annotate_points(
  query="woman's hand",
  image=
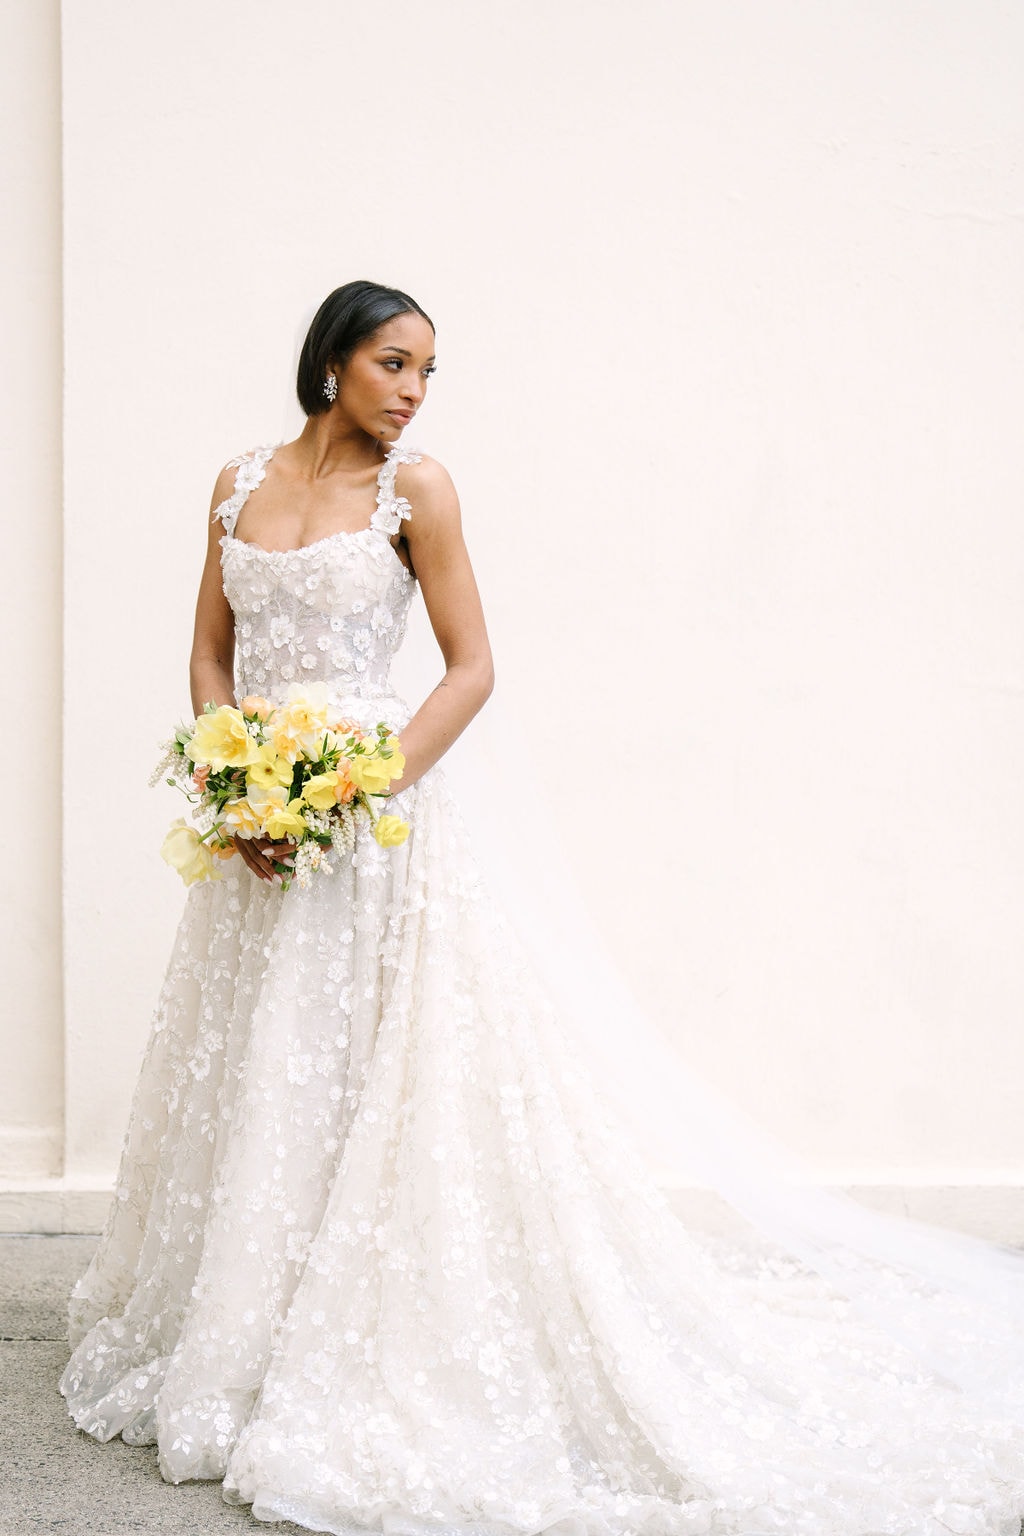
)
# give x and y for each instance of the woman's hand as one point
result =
(261, 854)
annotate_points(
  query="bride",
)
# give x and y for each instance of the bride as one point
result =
(383, 1254)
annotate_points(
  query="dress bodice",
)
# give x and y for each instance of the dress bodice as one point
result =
(333, 611)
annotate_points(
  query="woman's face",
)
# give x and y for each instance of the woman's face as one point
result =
(383, 384)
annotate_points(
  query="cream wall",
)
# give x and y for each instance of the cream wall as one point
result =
(730, 334)
(31, 1035)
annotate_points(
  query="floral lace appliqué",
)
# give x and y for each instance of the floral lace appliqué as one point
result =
(379, 1257)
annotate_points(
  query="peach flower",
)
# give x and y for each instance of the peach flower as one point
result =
(344, 790)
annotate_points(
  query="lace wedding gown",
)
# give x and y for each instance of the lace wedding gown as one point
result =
(381, 1258)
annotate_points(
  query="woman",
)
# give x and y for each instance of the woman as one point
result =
(322, 485)
(380, 1257)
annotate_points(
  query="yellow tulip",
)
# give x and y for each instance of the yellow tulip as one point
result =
(222, 740)
(391, 831)
(269, 768)
(183, 851)
(320, 791)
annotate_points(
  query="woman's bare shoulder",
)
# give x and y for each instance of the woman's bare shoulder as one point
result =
(426, 483)
(224, 485)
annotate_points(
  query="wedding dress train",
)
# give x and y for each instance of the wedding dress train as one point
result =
(382, 1257)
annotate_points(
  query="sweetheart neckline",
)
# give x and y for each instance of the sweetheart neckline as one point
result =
(301, 549)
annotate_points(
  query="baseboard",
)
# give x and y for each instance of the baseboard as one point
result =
(994, 1211)
(30, 1152)
(53, 1206)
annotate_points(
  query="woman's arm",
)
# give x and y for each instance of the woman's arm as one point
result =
(441, 562)
(212, 664)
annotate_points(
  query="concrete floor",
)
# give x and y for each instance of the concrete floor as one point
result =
(52, 1477)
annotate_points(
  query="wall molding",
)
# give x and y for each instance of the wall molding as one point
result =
(30, 1152)
(51, 1206)
(994, 1211)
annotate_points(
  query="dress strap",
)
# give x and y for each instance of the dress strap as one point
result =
(252, 466)
(391, 509)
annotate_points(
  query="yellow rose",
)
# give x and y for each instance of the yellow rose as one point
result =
(279, 817)
(371, 774)
(320, 791)
(391, 831)
(269, 768)
(183, 851)
(222, 740)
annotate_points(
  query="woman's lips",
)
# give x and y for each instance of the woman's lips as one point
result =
(403, 417)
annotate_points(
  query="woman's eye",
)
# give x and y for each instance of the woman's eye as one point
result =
(396, 363)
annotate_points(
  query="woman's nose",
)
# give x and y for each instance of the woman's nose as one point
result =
(412, 388)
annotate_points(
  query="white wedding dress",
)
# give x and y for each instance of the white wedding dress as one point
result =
(382, 1258)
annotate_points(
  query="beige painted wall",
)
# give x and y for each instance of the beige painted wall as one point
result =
(31, 1034)
(730, 334)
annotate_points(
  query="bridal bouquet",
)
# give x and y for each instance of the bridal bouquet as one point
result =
(298, 775)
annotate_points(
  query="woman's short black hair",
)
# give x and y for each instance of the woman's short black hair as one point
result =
(345, 318)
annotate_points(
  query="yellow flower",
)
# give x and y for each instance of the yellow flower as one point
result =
(184, 852)
(373, 774)
(396, 761)
(300, 724)
(279, 817)
(269, 768)
(222, 740)
(288, 822)
(390, 831)
(397, 758)
(242, 818)
(255, 704)
(320, 791)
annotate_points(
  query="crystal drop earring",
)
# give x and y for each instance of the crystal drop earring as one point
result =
(330, 389)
